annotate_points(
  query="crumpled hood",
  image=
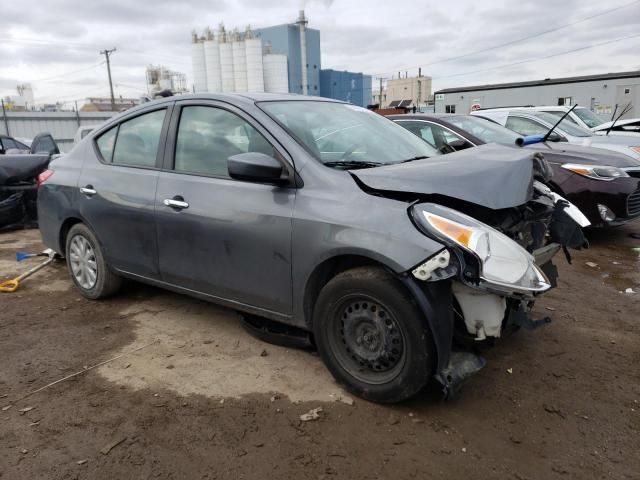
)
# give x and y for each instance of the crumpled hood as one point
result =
(493, 176)
(563, 152)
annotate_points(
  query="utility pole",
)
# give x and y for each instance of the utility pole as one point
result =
(380, 92)
(107, 54)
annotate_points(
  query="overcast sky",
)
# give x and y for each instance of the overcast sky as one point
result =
(55, 44)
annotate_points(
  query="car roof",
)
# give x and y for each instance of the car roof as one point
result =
(234, 98)
(559, 108)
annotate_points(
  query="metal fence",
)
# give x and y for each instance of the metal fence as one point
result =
(62, 125)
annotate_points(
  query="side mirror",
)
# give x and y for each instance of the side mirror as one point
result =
(555, 137)
(255, 167)
(460, 144)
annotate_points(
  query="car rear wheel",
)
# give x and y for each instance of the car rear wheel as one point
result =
(87, 266)
(372, 337)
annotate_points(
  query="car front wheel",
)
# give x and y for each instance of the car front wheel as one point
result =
(372, 337)
(87, 266)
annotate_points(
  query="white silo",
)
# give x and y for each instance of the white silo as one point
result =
(276, 74)
(239, 64)
(198, 64)
(212, 59)
(255, 73)
(226, 62)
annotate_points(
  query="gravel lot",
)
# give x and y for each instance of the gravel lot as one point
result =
(203, 399)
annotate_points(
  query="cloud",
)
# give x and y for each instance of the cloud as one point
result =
(380, 37)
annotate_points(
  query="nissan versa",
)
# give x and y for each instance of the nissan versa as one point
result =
(319, 215)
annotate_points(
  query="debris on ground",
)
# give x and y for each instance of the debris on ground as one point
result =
(509, 371)
(629, 290)
(551, 309)
(105, 450)
(554, 410)
(5, 408)
(591, 264)
(25, 410)
(81, 462)
(313, 414)
(264, 353)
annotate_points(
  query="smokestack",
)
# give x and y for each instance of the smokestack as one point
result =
(302, 22)
(419, 71)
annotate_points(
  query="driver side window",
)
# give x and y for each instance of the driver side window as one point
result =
(208, 136)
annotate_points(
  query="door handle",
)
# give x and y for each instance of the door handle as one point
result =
(175, 203)
(88, 190)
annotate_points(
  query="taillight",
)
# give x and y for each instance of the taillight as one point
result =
(44, 176)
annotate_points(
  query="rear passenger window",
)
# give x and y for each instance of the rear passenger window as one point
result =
(106, 142)
(208, 136)
(138, 139)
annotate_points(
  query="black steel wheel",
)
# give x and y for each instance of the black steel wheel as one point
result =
(371, 335)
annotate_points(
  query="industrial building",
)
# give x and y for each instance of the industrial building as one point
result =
(280, 59)
(408, 91)
(161, 78)
(349, 87)
(600, 93)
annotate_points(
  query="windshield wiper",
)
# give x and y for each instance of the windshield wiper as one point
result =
(349, 164)
(548, 134)
(419, 157)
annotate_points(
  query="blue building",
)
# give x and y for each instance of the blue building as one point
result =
(285, 39)
(346, 86)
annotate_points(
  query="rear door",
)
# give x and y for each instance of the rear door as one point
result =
(227, 238)
(117, 190)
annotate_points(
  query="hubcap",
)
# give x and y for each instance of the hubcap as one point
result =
(369, 344)
(82, 260)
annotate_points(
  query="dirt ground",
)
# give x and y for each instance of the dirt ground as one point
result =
(194, 396)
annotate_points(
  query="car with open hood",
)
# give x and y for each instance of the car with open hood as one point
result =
(318, 215)
(603, 184)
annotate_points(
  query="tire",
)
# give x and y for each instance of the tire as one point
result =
(372, 337)
(103, 282)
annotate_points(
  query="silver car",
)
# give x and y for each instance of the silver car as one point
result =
(532, 122)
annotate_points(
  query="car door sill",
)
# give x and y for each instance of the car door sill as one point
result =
(232, 304)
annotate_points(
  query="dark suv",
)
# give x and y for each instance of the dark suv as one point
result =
(316, 214)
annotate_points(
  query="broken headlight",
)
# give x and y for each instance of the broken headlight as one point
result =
(597, 172)
(503, 264)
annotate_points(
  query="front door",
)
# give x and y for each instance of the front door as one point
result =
(227, 238)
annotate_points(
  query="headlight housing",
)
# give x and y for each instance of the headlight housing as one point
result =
(596, 172)
(503, 264)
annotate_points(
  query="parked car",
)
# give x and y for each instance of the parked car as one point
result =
(316, 214)
(585, 118)
(18, 182)
(603, 184)
(11, 145)
(528, 122)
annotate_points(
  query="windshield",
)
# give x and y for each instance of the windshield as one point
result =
(485, 130)
(587, 116)
(566, 126)
(342, 135)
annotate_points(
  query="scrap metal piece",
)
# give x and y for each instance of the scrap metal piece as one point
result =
(461, 366)
(439, 260)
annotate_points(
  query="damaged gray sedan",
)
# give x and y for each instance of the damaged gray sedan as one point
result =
(320, 216)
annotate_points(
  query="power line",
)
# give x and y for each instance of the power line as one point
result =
(518, 40)
(539, 58)
(66, 74)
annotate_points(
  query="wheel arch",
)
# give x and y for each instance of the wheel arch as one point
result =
(328, 269)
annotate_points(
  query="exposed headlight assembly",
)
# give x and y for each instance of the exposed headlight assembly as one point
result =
(596, 172)
(504, 265)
